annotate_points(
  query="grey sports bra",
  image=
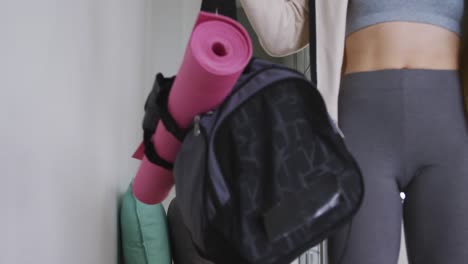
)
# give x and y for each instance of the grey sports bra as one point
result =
(444, 13)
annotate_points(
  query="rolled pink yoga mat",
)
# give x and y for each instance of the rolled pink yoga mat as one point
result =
(217, 53)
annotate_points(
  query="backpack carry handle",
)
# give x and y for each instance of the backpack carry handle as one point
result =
(223, 7)
(312, 42)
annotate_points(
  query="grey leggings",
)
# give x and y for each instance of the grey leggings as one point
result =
(408, 132)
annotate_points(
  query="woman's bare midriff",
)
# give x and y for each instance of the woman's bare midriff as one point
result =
(400, 45)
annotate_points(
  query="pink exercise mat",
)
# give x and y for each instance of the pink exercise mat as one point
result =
(217, 53)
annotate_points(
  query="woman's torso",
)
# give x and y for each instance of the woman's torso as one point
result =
(399, 44)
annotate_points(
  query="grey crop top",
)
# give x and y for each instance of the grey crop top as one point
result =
(444, 13)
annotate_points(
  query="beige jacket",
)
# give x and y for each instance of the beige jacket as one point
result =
(282, 29)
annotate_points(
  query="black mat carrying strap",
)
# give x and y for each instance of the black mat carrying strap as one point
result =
(155, 110)
(156, 103)
(223, 7)
(313, 41)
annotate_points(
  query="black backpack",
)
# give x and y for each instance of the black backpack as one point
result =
(266, 175)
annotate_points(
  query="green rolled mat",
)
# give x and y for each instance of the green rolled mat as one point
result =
(144, 232)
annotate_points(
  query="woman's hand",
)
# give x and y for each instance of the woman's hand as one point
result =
(281, 25)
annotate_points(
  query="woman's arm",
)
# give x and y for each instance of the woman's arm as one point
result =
(282, 26)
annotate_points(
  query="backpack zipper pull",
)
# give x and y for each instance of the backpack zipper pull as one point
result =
(196, 125)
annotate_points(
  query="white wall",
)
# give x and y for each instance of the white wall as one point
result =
(73, 78)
